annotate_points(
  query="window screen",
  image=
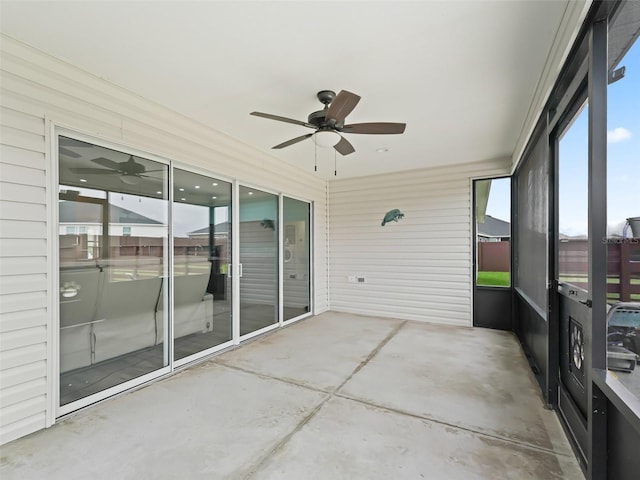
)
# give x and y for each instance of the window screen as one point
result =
(531, 275)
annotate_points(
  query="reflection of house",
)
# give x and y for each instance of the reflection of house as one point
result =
(197, 241)
(78, 218)
(220, 230)
(130, 233)
(493, 230)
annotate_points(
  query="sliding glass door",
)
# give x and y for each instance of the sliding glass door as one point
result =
(296, 282)
(145, 267)
(258, 235)
(201, 255)
(113, 238)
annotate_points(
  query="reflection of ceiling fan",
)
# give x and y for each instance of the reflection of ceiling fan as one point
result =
(328, 123)
(130, 171)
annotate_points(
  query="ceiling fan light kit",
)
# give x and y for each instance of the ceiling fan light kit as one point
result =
(328, 123)
(326, 138)
(130, 179)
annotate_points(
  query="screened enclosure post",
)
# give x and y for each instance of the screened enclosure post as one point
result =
(598, 80)
(552, 267)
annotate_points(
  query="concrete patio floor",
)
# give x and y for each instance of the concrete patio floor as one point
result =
(336, 396)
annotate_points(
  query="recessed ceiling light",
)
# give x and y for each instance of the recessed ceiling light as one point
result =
(181, 189)
(83, 180)
(250, 193)
(183, 199)
(382, 150)
(197, 186)
(159, 193)
(214, 197)
(214, 184)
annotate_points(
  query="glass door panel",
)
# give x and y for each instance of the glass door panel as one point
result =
(492, 297)
(113, 237)
(202, 252)
(573, 272)
(297, 248)
(623, 199)
(493, 232)
(573, 214)
(258, 259)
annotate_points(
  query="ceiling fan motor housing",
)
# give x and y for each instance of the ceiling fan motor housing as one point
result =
(317, 118)
(326, 96)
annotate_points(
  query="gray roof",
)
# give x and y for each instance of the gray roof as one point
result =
(79, 212)
(222, 227)
(494, 227)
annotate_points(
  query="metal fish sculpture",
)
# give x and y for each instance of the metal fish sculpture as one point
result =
(392, 216)
(267, 223)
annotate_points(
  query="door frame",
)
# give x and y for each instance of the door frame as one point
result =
(590, 82)
(493, 296)
(237, 269)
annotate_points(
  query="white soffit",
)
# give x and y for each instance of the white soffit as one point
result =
(461, 74)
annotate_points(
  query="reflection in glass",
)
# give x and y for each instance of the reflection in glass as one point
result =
(296, 282)
(623, 199)
(573, 240)
(113, 263)
(202, 252)
(258, 259)
(493, 230)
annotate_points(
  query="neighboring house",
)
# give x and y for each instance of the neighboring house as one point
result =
(77, 218)
(221, 230)
(493, 230)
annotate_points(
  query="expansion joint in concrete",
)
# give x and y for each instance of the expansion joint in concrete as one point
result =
(318, 407)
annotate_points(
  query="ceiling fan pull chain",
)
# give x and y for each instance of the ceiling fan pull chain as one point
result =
(335, 164)
(315, 168)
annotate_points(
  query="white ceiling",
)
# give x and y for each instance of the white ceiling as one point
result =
(461, 74)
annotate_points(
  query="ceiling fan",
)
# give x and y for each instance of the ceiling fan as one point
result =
(328, 123)
(130, 171)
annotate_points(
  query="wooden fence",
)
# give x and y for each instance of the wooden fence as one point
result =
(494, 256)
(623, 266)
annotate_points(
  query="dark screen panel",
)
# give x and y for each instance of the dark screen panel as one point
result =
(531, 275)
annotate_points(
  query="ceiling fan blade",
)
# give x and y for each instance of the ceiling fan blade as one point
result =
(343, 147)
(91, 171)
(293, 141)
(282, 119)
(71, 142)
(342, 105)
(69, 153)
(105, 162)
(375, 128)
(142, 175)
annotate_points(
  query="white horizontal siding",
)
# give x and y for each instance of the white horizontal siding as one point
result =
(418, 268)
(24, 158)
(23, 273)
(23, 392)
(37, 90)
(22, 319)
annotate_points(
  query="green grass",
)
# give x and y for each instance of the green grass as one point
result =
(493, 279)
